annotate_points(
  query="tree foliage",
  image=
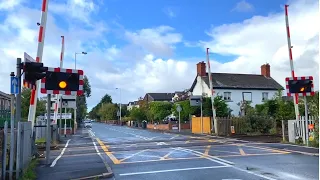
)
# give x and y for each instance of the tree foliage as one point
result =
(94, 113)
(160, 110)
(137, 114)
(108, 111)
(82, 100)
(25, 103)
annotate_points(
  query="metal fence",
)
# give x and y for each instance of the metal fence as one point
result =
(297, 128)
(25, 146)
(24, 149)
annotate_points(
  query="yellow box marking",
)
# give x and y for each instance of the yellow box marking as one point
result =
(109, 154)
(241, 150)
(206, 152)
(167, 155)
(268, 149)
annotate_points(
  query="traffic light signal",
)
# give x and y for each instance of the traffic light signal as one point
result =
(62, 81)
(33, 71)
(300, 86)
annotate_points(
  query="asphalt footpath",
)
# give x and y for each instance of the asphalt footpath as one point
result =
(77, 158)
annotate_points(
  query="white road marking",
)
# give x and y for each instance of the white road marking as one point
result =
(91, 133)
(57, 158)
(172, 170)
(212, 157)
(95, 146)
(174, 136)
(136, 135)
(161, 143)
(206, 157)
(215, 159)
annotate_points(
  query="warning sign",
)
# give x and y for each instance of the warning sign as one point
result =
(232, 130)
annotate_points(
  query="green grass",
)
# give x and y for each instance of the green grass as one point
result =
(29, 173)
(41, 140)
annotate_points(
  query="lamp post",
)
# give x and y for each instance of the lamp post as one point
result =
(75, 67)
(120, 105)
(75, 58)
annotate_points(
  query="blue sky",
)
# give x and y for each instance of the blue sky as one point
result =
(146, 46)
(190, 18)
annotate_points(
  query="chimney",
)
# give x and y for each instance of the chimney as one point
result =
(201, 69)
(265, 70)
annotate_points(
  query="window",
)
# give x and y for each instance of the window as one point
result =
(227, 96)
(247, 96)
(264, 96)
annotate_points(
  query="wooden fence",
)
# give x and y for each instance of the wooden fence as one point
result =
(228, 126)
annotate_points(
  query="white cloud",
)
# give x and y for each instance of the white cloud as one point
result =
(75, 9)
(9, 4)
(169, 11)
(243, 6)
(263, 39)
(160, 40)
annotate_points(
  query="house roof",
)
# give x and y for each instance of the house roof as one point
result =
(240, 81)
(5, 95)
(161, 96)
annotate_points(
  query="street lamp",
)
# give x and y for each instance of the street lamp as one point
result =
(120, 105)
(75, 67)
(75, 58)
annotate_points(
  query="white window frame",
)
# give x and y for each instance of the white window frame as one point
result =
(243, 94)
(265, 96)
(227, 96)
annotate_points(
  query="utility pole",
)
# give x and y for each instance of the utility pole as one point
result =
(48, 133)
(18, 98)
(214, 128)
(12, 141)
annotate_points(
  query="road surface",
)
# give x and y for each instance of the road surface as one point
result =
(137, 154)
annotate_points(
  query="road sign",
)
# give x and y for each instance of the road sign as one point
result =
(28, 58)
(63, 116)
(179, 109)
(195, 100)
(14, 83)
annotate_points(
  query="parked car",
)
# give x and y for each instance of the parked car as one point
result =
(87, 124)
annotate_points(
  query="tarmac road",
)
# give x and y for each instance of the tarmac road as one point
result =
(138, 154)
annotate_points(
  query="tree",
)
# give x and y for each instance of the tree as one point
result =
(108, 112)
(82, 100)
(41, 107)
(25, 103)
(186, 112)
(93, 114)
(160, 110)
(137, 114)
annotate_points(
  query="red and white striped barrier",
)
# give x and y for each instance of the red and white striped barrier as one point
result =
(42, 30)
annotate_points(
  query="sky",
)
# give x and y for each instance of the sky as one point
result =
(145, 46)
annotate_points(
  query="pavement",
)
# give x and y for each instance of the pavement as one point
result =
(138, 154)
(77, 158)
